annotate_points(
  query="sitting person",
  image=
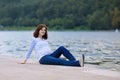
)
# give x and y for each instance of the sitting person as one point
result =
(45, 55)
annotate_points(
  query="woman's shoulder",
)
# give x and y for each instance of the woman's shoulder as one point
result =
(34, 39)
(38, 39)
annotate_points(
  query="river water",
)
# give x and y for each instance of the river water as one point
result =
(101, 48)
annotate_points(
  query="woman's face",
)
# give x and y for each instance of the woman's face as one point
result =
(42, 31)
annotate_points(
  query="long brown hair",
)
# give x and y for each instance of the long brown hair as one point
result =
(38, 28)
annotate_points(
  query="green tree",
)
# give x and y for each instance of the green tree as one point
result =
(116, 18)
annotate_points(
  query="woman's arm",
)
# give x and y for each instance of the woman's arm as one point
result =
(29, 51)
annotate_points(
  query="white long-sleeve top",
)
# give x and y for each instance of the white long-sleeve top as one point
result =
(41, 48)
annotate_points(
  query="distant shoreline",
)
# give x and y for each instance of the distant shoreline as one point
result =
(23, 28)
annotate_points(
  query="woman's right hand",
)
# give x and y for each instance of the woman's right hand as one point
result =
(24, 62)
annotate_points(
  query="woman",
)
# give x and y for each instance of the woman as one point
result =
(45, 55)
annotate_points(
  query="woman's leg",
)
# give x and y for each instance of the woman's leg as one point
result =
(57, 61)
(62, 50)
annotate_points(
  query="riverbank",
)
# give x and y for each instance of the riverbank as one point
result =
(10, 69)
(101, 49)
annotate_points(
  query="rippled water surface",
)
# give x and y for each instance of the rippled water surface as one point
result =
(100, 48)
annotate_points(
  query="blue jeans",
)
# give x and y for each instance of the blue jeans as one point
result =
(54, 58)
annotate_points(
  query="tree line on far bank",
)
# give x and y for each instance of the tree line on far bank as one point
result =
(61, 14)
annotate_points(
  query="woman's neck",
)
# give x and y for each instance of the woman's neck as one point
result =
(40, 37)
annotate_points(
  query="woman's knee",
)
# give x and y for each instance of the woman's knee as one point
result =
(61, 47)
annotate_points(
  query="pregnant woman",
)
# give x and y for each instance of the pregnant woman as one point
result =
(45, 55)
